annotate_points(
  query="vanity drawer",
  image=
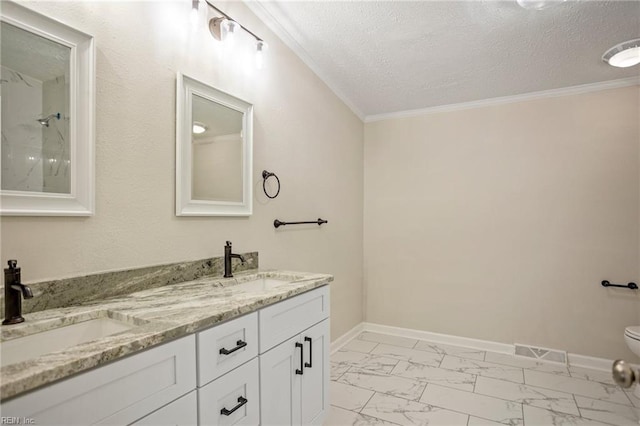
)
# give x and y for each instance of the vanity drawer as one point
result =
(118, 393)
(226, 346)
(236, 393)
(285, 319)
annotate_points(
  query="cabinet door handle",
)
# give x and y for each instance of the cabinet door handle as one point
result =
(309, 364)
(240, 344)
(241, 402)
(301, 369)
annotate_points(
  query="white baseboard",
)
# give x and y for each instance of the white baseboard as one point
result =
(574, 360)
(447, 339)
(585, 361)
(346, 337)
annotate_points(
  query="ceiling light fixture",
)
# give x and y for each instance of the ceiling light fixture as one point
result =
(199, 128)
(538, 4)
(623, 55)
(224, 28)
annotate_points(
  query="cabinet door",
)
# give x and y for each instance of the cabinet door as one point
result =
(280, 385)
(315, 379)
(181, 412)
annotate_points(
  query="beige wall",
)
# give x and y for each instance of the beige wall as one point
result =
(499, 223)
(217, 169)
(303, 132)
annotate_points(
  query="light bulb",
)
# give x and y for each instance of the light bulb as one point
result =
(194, 14)
(229, 30)
(261, 47)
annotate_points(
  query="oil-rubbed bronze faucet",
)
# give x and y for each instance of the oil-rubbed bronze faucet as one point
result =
(14, 290)
(227, 260)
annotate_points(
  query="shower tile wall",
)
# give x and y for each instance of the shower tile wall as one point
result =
(21, 133)
(55, 138)
(34, 157)
(385, 380)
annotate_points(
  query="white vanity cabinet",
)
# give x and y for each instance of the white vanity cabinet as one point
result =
(119, 393)
(293, 336)
(269, 367)
(294, 375)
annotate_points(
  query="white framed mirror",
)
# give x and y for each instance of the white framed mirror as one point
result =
(214, 150)
(47, 76)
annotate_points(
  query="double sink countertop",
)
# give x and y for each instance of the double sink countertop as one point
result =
(154, 316)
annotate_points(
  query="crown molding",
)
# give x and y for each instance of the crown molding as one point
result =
(258, 8)
(564, 91)
(272, 23)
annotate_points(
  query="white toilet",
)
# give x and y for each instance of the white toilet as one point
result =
(632, 337)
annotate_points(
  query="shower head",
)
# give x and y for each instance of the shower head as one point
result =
(45, 121)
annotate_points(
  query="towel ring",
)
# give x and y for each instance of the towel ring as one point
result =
(266, 175)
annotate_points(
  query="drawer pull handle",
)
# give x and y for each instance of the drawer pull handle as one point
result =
(301, 370)
(240, 344)
(241, 402)
(309, 364)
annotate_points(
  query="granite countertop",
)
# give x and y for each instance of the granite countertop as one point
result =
(157, 315)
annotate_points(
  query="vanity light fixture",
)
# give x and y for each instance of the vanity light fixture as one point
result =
(623, 55)
(261, 47)
(224, 28)
(199, 128)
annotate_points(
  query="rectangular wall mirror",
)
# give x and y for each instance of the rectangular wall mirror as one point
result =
(47, 82)
(213, 151)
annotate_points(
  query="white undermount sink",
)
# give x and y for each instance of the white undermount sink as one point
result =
(56, 339)
(260, 284)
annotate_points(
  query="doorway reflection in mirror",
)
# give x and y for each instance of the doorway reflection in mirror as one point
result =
(216, 152)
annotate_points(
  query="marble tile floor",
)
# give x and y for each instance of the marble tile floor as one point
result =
(379, 379)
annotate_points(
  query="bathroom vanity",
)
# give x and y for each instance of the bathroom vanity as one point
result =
(248, 350)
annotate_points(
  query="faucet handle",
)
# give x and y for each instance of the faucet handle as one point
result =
(12, 264)
(228, 243)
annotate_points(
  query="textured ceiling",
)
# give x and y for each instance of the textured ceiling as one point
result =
(389, 56)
